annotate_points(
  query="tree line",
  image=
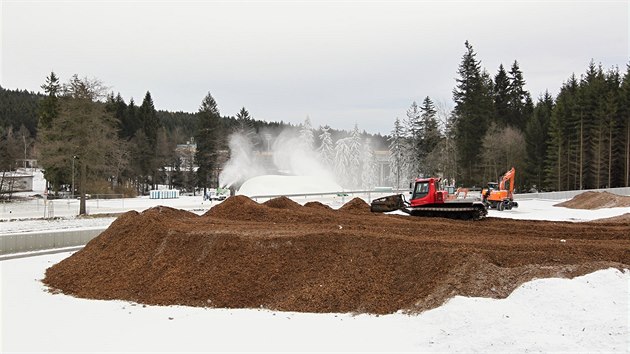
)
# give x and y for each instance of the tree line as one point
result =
(578, 140)
(89, 140)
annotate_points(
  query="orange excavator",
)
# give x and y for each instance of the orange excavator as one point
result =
(500, 195)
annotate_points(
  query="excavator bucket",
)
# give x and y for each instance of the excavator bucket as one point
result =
(386, 204)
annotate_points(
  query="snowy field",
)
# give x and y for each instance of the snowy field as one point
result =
(586, 314)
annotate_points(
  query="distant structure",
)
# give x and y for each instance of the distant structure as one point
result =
(11, 182)
(382, 167)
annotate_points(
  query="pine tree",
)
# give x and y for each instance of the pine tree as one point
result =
(132, 121)
(245, 124)
(501, 95)
(326, 150)
(413, 133)
(473, 107)
(49, 106)
(623, 139)
(397, 153)
(117, 106)
(368, 172)
(208, 133)
(355, 149)
(343, 162)
(613, 121)
(561, 157)
(431, 136)
(148, 118)
(590, 92)
(519, 101)
(149, 124)
(49, 109)
(306, 135)
(536, 137)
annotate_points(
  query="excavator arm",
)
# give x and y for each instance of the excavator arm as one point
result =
(507, 182)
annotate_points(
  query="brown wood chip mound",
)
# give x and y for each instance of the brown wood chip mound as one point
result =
(623, 219)
(356, 205)
(596, 200)
(318, 205)
(282, 203)
(317, 260)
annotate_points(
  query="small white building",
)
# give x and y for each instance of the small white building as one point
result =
(15, 182)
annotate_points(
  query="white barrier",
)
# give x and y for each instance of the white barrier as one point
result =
(35, 241)
(164, 194)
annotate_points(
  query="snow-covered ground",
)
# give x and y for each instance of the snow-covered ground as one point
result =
(278, 185)
(586, 314)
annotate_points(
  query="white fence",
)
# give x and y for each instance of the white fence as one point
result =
(625, 191)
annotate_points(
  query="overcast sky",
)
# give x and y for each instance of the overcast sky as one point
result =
(339, 63)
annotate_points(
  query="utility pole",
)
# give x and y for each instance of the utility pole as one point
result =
(73, 158)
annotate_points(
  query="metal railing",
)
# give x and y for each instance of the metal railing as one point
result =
(341, 194)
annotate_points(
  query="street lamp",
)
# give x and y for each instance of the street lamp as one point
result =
(73, 158)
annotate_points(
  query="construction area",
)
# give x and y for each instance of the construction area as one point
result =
(281, 255)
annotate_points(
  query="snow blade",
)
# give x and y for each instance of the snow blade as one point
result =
(386, 204)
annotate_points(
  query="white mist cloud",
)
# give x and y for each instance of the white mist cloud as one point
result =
(289, 156)
(242, 164)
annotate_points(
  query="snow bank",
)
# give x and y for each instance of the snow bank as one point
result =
(285, 185)
(585, 314)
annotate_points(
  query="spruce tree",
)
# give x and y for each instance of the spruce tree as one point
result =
(149, 124)
(368, 172)
(431, 135)
(473, 107)
(306, 135)
(413, 137)
(536, 138)
(610, 174)
(49, 106)
(343, 162)
(49, 109)
(397, 153)
(326, 150)
(117, 106)
(245, 124)
(561, 157)
(148, 118)
(355, 149)
(207, 136)
(623, 139)
(131, 122)
(501, 95)
(519, 100)
(588, 124)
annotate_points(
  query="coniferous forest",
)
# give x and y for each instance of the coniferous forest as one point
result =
(579, 139)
